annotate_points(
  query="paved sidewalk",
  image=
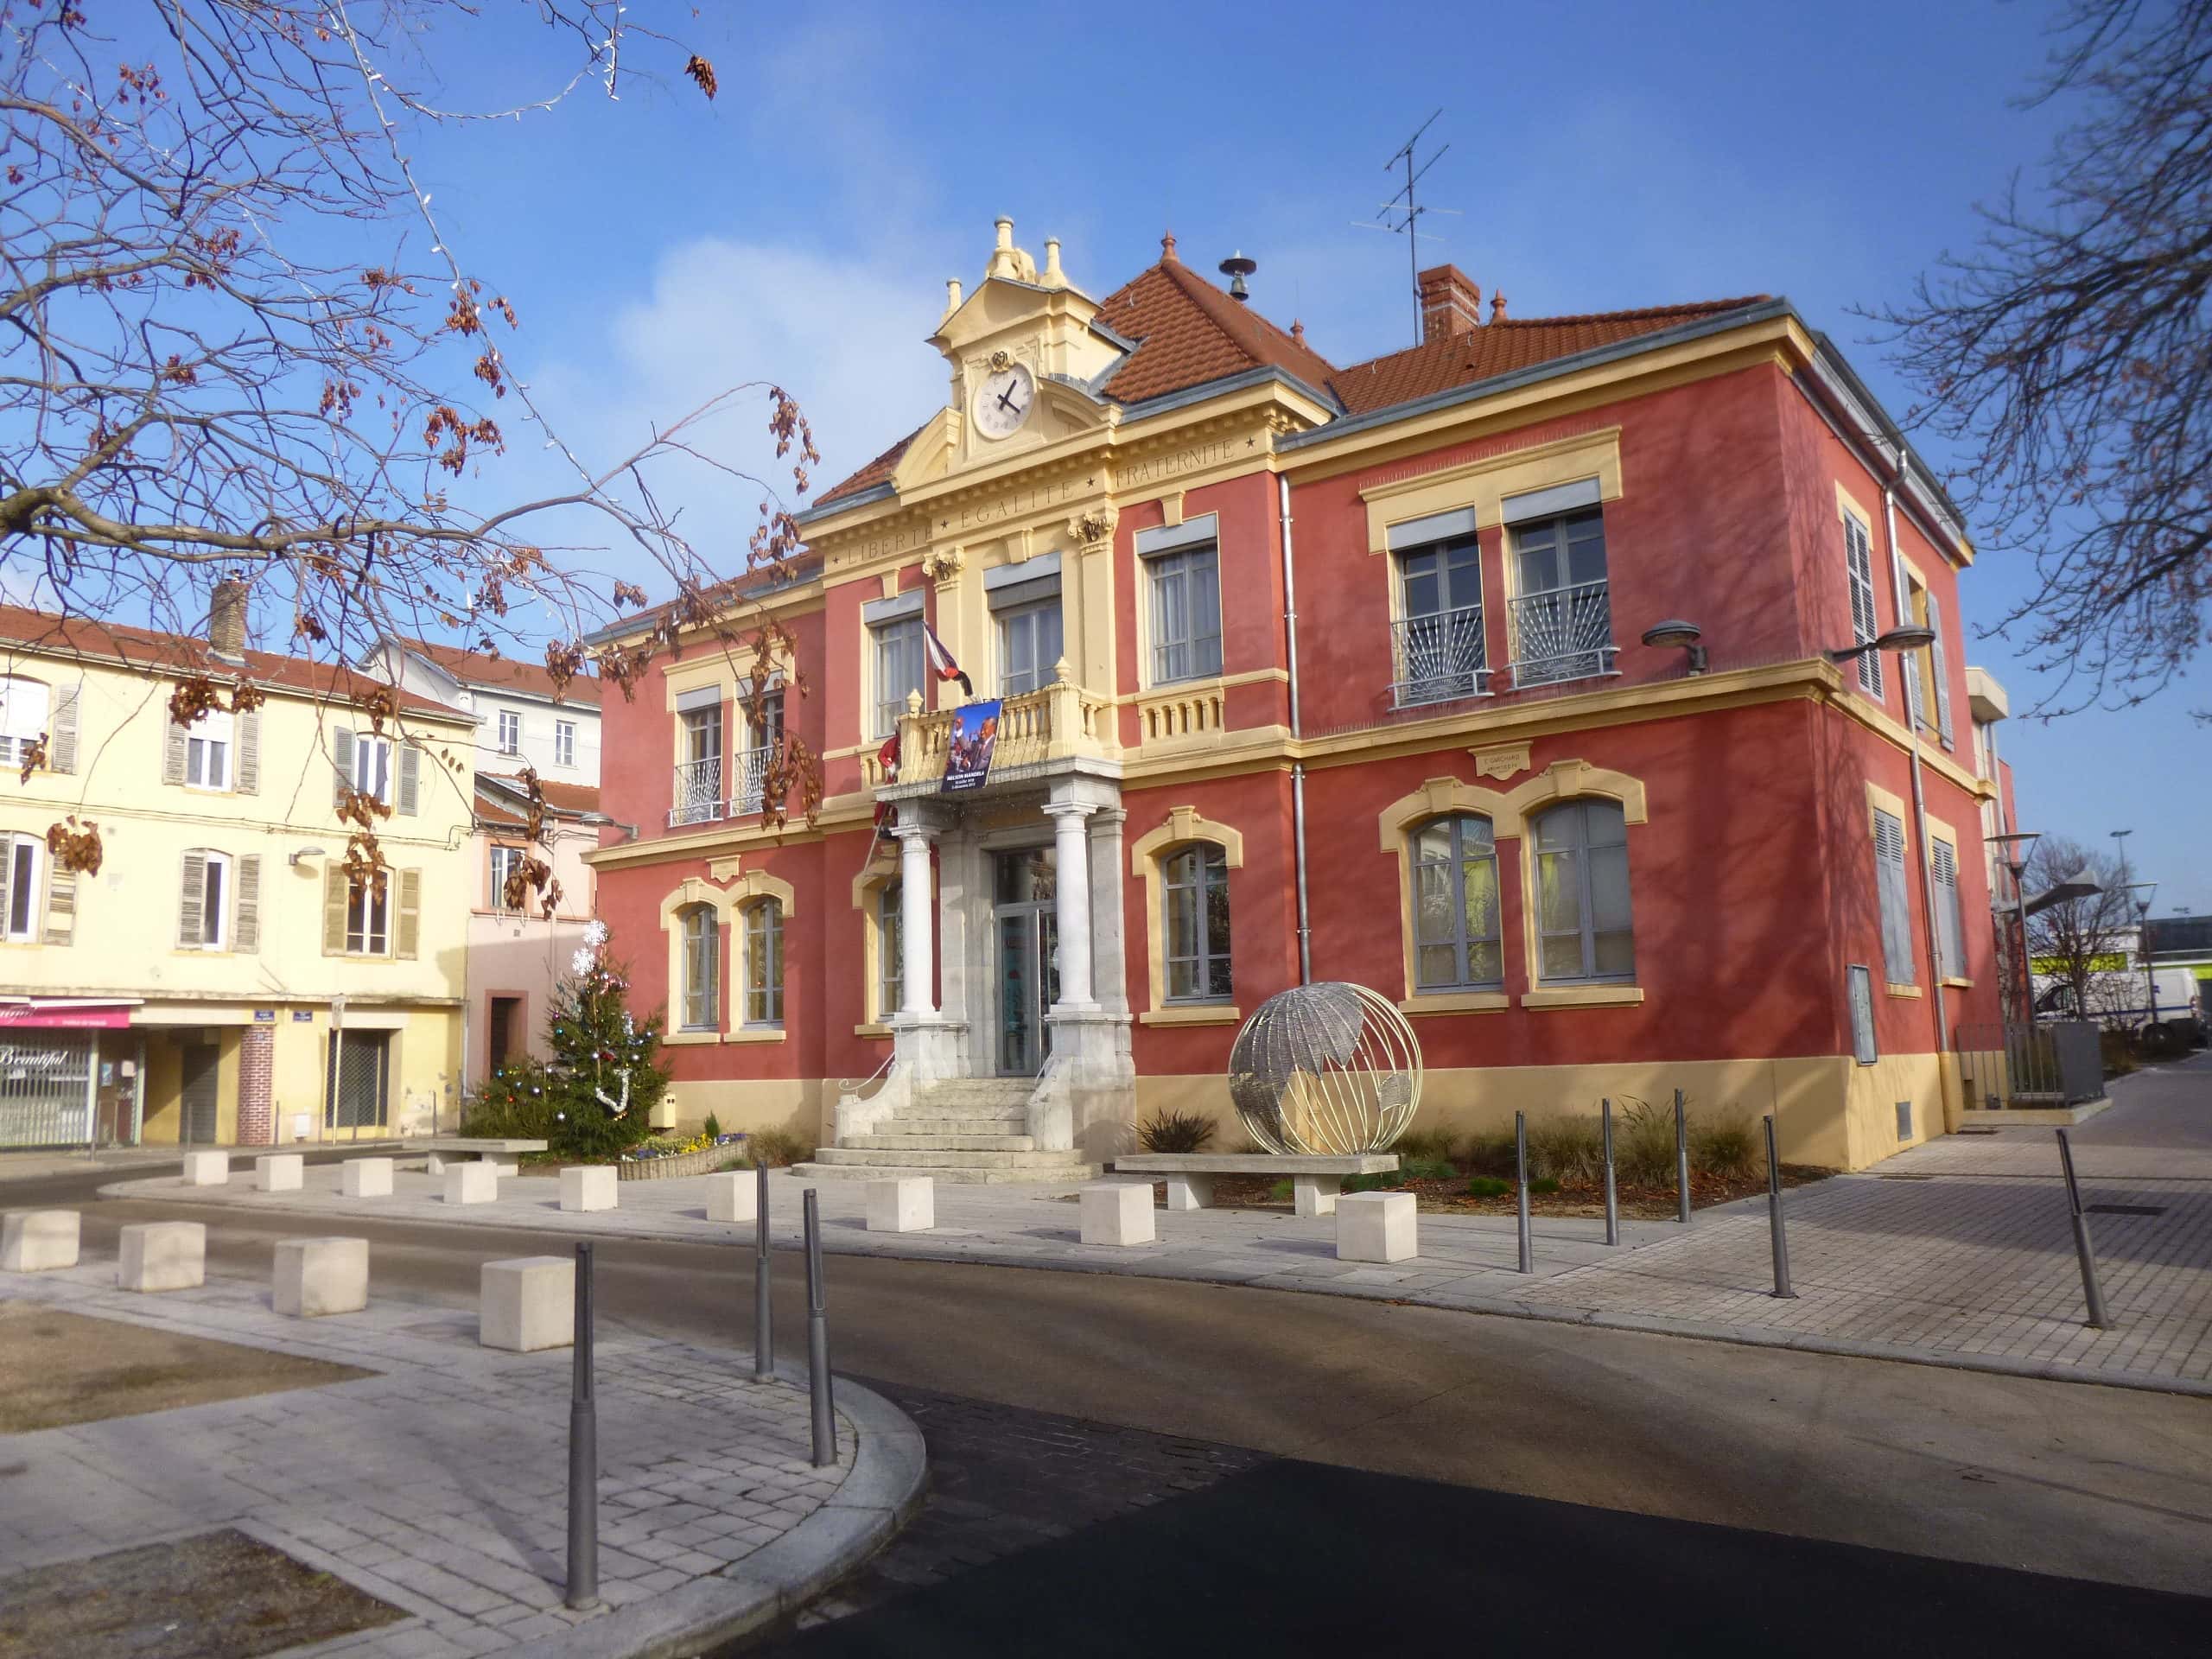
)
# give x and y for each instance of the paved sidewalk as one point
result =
(440, 1484)
(1968, 1260)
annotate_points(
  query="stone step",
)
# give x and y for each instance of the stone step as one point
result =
(897, 1139)
(957, 1123)
(1057, 1175)
(861, 1157)
(978, 1091)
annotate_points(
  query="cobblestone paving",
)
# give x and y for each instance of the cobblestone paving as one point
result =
(1968, 1260)
(439, 1485)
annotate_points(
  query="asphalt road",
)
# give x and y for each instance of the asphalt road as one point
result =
(2071, 1480)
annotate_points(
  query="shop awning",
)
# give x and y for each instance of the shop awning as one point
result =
(67, 1014)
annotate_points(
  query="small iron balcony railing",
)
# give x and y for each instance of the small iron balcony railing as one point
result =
(750, 770)
(1565, 634)
(1437, 657)
(698, 797)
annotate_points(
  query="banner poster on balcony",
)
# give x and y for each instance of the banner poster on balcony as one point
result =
(974, 736)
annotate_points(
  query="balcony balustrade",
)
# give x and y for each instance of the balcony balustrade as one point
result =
(1437, 657)
(1563, 633)
(698, 797)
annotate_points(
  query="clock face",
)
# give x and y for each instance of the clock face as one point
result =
(1003, 402)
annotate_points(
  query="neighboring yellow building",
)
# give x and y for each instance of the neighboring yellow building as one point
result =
(191, 989)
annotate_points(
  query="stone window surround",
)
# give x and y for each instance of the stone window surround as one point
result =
(1149, 855)
(728, 901)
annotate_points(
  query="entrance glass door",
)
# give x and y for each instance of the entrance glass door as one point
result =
(1028, 959)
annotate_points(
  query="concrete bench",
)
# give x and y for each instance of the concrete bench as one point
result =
(527, 1303)
(1315, 1180)
(465, 1148)
(163, 1255)
(38, 1241)
(315, 1276)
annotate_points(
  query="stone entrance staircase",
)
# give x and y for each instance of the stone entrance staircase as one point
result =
(965, 1129)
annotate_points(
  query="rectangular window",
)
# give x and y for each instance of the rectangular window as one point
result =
(1889, 889)
(215, 899)
(1585, 930)
(1562, 610)
(505, 861)
(1950, 923)
(503, 1035)
(22, 921)
(699, 767)
(1439, 651)
(1858, 562)
(23, 713)
(1029, 647)
(703, 969)
(1862, 1016)
(1186, 614)
(510, 732)
(372, 767)
(208, 751)
(891, 950)
(565, 742)
(897, 670)
(1455, 906)
(368, 910)
(1197, 925)
(764, 964)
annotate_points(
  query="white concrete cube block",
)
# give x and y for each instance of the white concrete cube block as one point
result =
(38, 1241)
(439, 1163)
(1190, 1191)
(163, 1255)
(734, 1195)
(502, 1168)
(527, 1303)
(588, 1186)
(905, 1204)
(1316, 1195)
(365, 1178)
(471, 1182)
(278, 1172)
(1376, 1227)
(207, 1168)
(1116, 1212)
(315, 1276)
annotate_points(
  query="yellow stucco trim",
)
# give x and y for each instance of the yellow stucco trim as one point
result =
(1484, 484)
(1881, 800)
(1848, 504)
(1583, 996)
(1182, 825)
(1570, 780)
(1903, 990)
(869, 1028)
(681, 1038)
(687, 893)
(1426, 1002)
(879, 874)
(756, 885)
(755, 1034)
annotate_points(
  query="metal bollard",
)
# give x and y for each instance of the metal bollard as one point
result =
(1612, 1200)
(1681, 1162)
(817, 1340)
(583, 1452)
(2092, 1291)
(1521, 1189)
(764, 1344)
(1774, 1218)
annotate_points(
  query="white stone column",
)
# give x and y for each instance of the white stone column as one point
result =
(917, 961)
(1072, 900)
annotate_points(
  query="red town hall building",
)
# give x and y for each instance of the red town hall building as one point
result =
(1497, 674)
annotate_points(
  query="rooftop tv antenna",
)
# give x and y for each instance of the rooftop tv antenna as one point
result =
(1402, 212)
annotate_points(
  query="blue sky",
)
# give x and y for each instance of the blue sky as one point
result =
(801, 227)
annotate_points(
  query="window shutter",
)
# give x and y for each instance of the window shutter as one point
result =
(246, 767)
(1950, 925)
(246, 930)
(333, 909)
(411, 777)
(173, 755)
(1937, 664)
(190, 922)
(61, 741)
(1865, 623)
(1897, 926)
(407, 935)
(341, 761)
(61, 906)
(7, 883)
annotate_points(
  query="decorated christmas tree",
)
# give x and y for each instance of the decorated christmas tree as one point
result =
(595, 1098)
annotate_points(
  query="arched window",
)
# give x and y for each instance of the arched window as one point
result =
(889, 950)
(702, 969)
(1197, 923)
(1584, 931)
(764, 963)
(1456, 943)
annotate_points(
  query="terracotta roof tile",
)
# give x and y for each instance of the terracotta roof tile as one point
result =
(874, 472)
(155, 654)
(1502, 347)
(505, 673)
(498, 804)
(1188, 332)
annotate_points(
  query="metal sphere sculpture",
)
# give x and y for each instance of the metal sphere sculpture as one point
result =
(1330, 1069)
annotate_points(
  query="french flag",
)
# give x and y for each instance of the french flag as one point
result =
(941, 661)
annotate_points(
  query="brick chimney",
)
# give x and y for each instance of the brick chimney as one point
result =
(226, 620)
(1450, 303)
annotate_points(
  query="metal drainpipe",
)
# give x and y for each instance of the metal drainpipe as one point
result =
(1296, 767)
(1919, 795)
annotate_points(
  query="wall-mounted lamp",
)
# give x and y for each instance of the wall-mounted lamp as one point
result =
(1909, 636)
(1675, 631)
(305, 852)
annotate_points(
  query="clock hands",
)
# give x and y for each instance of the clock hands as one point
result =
(1006, 398)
